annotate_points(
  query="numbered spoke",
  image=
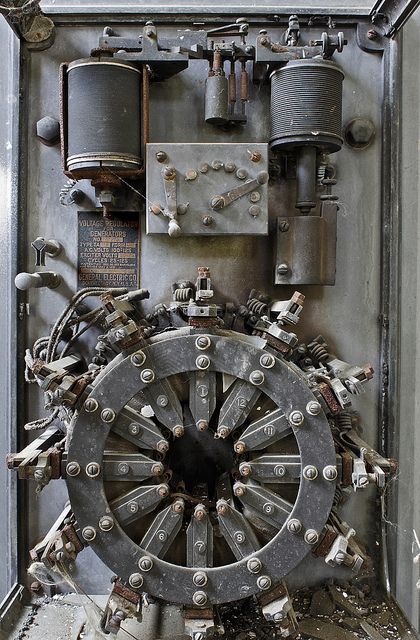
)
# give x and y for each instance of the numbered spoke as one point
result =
(130, 467)
(141, 431)
(237, 407)
(200, 539)
(264, 431)
(202, 397)
(166, 405)
(164, 529)
(272, 468)
(270, 507)
(136, 503)
(236, 530)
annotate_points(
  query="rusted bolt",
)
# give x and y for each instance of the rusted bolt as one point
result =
(218, 202)
(178, 431)
(223, 432)
(199, 598)
(222, 509)
(48, 130)
(162, 446)
(161, 156)
(239, 447)
(239, 490)
(178, 506)
(203, 343)
(311, 536)
(157, 469)
(245, 470)
(138, 358)
(264, 41)
(372, 34)
(202, 425)
(169, 172)
(163, 490)
(255, 156)
(199, 514)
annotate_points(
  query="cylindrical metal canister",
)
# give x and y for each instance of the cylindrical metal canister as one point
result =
(103, 113)
(306, 98)
(217, 100)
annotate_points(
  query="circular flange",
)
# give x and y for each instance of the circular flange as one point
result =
(231, 354)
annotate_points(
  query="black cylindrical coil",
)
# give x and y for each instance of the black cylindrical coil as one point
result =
(306, 97)
(103, 128)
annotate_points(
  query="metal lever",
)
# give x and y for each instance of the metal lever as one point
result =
(42, 247)
(224, 199)
(49, 279)
(170, 211)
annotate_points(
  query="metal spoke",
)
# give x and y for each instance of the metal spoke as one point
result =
(263, 432)
(163, 530)
(130, 466)
(136, 503)
(270, 507)
(202, 397)
(141, 431)
(200, 539)
(273, 468)
(166, 405)
(236, 530)
(236, 407)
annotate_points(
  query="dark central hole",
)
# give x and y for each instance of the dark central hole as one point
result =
(197, 458)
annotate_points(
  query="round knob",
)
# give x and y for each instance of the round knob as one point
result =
(25, 281)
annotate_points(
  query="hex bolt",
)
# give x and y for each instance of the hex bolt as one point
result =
(267, 361)
(254, 565)
(150, 33)
(222, 509)
(255, 196)
(340, 556)
(199, 598)
(222, 432)
(178, 431)
(284, 226)
(204, 168)
(178, 506)
(108, 415)
(145, 563)
(89, 533)
(147, 376)
(296, 418)
(134, 429)
(135, 580)
(239, 490)
(73, 468)
(257, 377)
(190, 175)
(169, 172)
(123, 468)
(92, 469)
(48, 130)
(161, 156)
(241, 174)
(157, 469)
(106, 523)
(245, 470)
(90, 405)
(199, 514)
(202, 425)
(202, 362)
(264, 583)
(132, 507)
(239, 447)
(182, 209)
(163, 490)
(162, 401)
(310, 472)
(294, 525)
(200, 579)
(203, 343)
(283, 269)
(254, 210)
(162, 446)
(138, 358)
(311, 536)
(330, 472)
(313, 408)
(359, 133)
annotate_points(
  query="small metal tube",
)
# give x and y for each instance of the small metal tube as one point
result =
(217, 100)
(306, 179)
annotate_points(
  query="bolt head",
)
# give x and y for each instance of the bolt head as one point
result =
(311, 536)
(200, 579)
(239, 489)
(202, 362)
(106, 523)
(147, 376)
(203, 343)
(282, 269)
(108, 415)
(222, 432)
(222, 508)
(89, 533)
(313, 408)
(157, 469)
(90, 405)
(241, 174)
(296, 418)
(283, 226)
(230, 167)
(92, 469)
(254, 210)
(245, 469)
(359, 133)
(267, 361)
(73, 469)
(199, 598)
(239, 447)
(48, 130)
(254, 565)
(257, 377)
(145, 563)
(330, 472)
(135, 580)
(310, 472)
(161, 156)
(264, 583)
(178, 431)
(162, 446)
(294, 525)
(202, 425)
(138, 358)
(163, 490)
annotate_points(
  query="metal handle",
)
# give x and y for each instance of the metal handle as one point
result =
(49, 279)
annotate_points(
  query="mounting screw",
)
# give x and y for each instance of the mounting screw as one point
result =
(222, 432)
(267, 361)
(123, 468)
(147, 376)
(245, 469)
(135, 580)
(282, 269)
(330, 472)
(256, 377)
(48, 130)
(200, 579)
(199, 598)
(108, 415)
(311, 536)
(161, 156)
(190, 175)
(106, 523)
(296, 418)
(163, 490)
(145, 563)
(138, 358)
(90, 405)
(239, 490)
(230, 167)
(310, 472)
(254, 565)
(241, 174)
(359, 133)
(203, 343)
(89, 534)
(255, 156)
(93, 469)
(202, 425)
(218, 202)
(294, 525)
(202, 362)
(73, 469)
(178, 431)
(283, 226)
(313, 408)
(239, 447)
(162, 446)
(254, 210)
(264, 583)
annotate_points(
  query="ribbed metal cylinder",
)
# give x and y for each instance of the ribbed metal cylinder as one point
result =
(306, 98)
(103, 117)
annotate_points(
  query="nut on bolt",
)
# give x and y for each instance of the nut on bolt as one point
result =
(48, 130)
